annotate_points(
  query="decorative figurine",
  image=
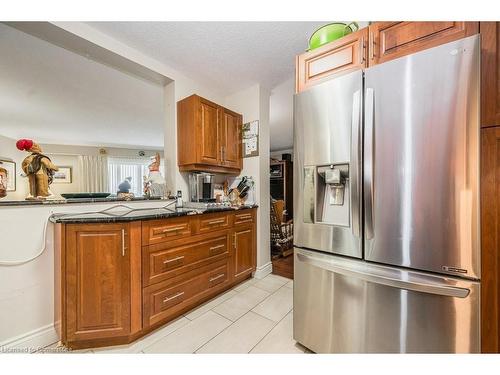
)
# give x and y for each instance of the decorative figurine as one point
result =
(154, 183)
(38, 168)
(124, 189)
(125, 186)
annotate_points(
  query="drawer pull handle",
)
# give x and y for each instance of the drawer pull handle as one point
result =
(217, 277)
(220, 221)
(173, 260)
(123, 242)
(244, 217)
(216, 247)
(173, 297)
(170, 230)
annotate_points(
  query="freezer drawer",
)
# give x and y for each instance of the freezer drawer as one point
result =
(349, 306)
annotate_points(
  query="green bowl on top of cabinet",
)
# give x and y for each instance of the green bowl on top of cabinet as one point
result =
(328, 33)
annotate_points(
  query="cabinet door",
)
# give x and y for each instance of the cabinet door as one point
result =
(209, 146)
(338, 57)
(98, 281)
(230, 139)
(390, 40)
(244, 250)
(490, 81)
(490, 240)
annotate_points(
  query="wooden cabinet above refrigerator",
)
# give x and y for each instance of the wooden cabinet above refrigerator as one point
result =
(378, 43)
(209, 137)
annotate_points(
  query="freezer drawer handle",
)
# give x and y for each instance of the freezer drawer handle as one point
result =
(441, 290)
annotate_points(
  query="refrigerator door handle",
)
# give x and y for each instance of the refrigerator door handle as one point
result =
(369, 162)
(355, 168)
(417, 286)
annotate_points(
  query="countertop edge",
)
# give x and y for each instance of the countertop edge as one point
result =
(73, 219)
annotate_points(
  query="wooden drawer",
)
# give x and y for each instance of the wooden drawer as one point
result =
(157, 231)
(390, 40)
(332, 59)
(160, 265)
(216, 221)
(244, 217)
(164, 301)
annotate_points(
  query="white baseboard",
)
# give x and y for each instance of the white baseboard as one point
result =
(31, 341)
(263, 271)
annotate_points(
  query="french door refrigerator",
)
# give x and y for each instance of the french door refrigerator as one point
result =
(386, 180)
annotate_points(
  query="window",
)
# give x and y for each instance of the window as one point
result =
(121, 168)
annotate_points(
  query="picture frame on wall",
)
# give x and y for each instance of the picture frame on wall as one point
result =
(10, 166)
(250, 139)
(63, 176)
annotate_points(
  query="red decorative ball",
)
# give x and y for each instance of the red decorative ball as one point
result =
(24, 144)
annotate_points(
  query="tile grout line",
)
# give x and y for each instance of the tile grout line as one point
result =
(213, 338)
(233, 322)
(269, 330)
(161, 338)
(283, 286)
(218, 333)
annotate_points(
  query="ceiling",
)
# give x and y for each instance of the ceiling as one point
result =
(225, 56)
(55, 96)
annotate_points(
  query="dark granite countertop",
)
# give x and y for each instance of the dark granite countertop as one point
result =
(76, 201)
(116, 215)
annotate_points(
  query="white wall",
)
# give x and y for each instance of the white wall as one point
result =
(253, 104)
(281, 115)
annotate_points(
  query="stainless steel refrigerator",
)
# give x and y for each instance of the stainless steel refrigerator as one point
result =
(386, 186)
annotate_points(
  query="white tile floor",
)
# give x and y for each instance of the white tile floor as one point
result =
(256, 316)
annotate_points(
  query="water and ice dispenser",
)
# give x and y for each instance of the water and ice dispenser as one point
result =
(327, 195)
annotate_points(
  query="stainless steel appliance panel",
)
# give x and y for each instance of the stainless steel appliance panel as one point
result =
(327, 131)
(421, 160)
(344, 305)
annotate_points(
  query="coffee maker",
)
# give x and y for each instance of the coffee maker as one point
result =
(201, 187)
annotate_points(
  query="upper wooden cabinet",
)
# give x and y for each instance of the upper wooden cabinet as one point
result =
(209, 137)
(230, 139)
(490, 85)
(332, 59)
(209, 128)
(390, 40)
(384, 41)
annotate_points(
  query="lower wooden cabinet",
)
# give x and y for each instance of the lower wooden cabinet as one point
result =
(244, 254)
(116, 282)
(96, 282)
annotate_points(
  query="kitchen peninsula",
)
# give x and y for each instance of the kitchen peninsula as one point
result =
(122, 273)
